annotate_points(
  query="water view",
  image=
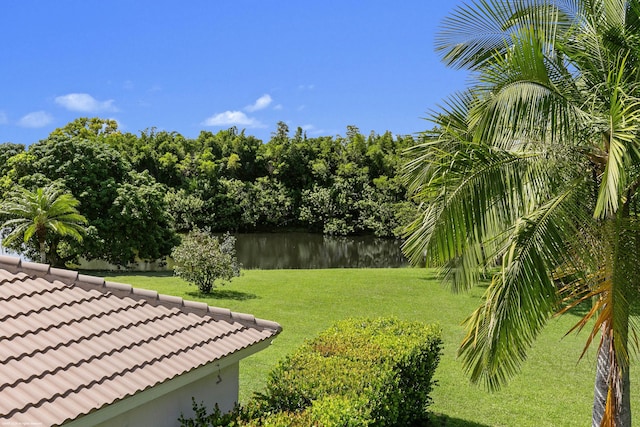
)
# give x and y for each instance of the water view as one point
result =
(306, 250)
(270, 251)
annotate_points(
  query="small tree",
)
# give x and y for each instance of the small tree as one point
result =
(41, 217)
(201, 259)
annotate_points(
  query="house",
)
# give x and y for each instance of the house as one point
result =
(81, 351)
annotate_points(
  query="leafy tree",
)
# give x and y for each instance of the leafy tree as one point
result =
(537, 168)
(202, 259)
(382, 208)
(141, 219)
(126, 213)
(7, 151)
(90, 169)
(227, 181)
(272, 203)
(186, 210)
(226, 205)
(318, 209)
(42, 216)
(87, 128)
(264, 203)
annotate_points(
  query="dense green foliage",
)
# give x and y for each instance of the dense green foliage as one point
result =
(381, 370)
(126, 210)
(138, 191)
(357, 373)
(203, 259)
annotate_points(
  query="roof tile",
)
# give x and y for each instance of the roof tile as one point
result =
(71, 343)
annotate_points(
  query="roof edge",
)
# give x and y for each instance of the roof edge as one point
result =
(71, 277)
(119, 407)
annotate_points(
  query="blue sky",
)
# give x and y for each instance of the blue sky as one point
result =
(208, 65)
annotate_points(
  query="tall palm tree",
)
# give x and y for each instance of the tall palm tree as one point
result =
(535, 171)
(40, 214)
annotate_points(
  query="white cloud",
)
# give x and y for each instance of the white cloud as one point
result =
(4, 119)
(312, 130)
(260, 104)
(85, 103)
(37, 119)
(231, 118)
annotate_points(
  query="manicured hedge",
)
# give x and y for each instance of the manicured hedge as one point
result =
(359, 372)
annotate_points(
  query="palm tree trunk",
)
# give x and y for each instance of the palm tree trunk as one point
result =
(625, 410)
(41, 235)
(605, 388)
(43, 254)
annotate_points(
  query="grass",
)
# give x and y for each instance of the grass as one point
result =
(553, 389)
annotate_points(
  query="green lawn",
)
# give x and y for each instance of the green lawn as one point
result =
(552, 390)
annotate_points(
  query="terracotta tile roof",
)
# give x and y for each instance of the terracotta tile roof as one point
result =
(71, 343)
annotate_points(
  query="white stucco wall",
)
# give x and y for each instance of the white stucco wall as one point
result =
(165, 410)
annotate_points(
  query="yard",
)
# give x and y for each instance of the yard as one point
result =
(552, 390)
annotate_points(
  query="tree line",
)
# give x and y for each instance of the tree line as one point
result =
(138, 192)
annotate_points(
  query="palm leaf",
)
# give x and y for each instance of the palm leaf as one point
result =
(474, 33)
(474, 194)
(523, 296)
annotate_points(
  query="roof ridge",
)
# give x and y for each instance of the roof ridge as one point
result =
(72, 277)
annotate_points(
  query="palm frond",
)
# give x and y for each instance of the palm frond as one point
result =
(471, 196)
(475, 32)
(523, 296)
(618, 138)
(524, 95)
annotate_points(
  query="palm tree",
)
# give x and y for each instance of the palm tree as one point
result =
(532, 176)
(40, 213)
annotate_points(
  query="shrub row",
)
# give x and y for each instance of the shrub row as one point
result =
(359, 372)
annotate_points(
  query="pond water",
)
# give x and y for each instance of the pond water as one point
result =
(306, 250)
(269, 251)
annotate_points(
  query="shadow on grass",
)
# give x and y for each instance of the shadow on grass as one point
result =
(440, 420)
(583, 308)
(224, 294)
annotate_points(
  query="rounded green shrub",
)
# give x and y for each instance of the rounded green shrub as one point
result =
(386, 364)
(357, 373)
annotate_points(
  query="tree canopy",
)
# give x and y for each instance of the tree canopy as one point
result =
(138, 191)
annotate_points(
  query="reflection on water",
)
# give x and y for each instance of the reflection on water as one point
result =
(270, 251)
(305, 250)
